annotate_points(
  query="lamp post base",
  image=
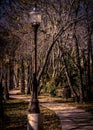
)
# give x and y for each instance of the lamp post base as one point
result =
(33, 115)
(33, 121)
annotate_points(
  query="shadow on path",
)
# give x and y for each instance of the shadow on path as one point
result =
(71, 117)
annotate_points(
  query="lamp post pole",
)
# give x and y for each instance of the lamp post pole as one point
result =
(35, 71)
(34, 111)
(35, 103)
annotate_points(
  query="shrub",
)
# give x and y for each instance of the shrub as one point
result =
(51, 87)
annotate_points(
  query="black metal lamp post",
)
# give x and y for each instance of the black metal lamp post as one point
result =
(33, 116)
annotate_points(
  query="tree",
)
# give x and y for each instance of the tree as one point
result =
(60, 28)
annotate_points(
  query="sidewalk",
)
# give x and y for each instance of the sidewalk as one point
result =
(71, 117)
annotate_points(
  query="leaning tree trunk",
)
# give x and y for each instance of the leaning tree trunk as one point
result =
(80, 83)
(79, 70)
(85, 72)
(68, 78)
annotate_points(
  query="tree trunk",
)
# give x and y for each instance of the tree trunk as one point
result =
(79, 70)
(29, 82)
(18, 77)
(22, 77)
(1, 108)
(6, 85)
(89, 46)
(68, 78)
(11, 74)
(88, 71)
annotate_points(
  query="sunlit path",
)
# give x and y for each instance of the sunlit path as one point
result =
(71, 117)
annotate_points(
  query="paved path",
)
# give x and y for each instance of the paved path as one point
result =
(71, 117)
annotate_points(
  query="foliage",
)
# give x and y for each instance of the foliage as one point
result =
(64, 42)
(51, 87)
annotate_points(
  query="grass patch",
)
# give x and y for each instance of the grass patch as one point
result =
(15, 116)
(50, 120)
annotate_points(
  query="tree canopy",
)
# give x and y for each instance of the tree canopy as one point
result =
(65, 48)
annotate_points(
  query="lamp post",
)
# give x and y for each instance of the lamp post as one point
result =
(33, 112)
